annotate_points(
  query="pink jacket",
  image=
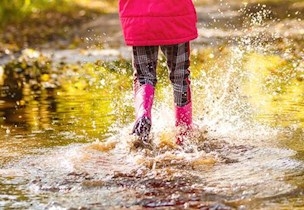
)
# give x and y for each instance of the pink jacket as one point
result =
(157, 22)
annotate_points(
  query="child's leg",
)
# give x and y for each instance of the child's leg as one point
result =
(178, 63)
(144, 63)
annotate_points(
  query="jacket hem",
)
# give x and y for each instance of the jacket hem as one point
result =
(159, 42)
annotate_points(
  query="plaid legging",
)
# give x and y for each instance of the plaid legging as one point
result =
(144, 63)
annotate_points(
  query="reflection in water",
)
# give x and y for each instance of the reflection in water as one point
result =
(68, 147)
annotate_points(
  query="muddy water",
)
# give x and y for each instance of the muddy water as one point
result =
(70, 147)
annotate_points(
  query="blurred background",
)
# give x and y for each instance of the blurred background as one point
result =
(66, 110)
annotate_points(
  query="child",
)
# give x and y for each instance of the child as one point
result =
(150, 25)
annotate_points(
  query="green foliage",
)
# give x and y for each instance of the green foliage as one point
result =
(16, 10)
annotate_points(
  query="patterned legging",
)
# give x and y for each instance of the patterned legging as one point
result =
(145, 62)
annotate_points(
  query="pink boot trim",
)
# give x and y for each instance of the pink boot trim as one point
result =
(183, 120)
(144, 96)
(183, 115)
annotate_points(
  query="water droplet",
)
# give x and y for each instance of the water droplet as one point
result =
(8, 131)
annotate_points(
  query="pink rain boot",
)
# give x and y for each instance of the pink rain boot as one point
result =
(183, 120)
(144, 95)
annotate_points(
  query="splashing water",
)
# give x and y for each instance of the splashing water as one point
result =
(236, 158)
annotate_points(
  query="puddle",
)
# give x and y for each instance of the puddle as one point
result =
(69, 147)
